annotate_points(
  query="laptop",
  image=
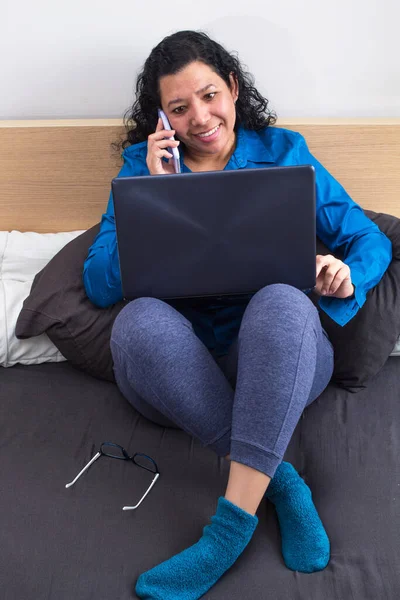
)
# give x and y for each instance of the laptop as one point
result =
(215, 233)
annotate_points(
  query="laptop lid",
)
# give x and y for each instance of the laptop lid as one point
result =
(215, 233)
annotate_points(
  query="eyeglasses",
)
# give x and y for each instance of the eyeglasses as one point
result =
(116, 451)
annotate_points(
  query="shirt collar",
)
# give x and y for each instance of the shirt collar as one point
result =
(250, 148)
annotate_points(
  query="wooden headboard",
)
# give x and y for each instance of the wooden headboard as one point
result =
(55, 175)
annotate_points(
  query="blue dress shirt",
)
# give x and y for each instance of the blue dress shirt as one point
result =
(340, 223)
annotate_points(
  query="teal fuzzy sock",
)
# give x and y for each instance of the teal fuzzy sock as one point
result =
(305, 545)
(189, 574)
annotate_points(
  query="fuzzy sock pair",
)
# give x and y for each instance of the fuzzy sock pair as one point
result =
(305, 545)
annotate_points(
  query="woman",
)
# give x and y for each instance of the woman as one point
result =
(177, 362)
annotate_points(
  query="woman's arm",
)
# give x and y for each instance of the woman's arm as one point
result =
(101, 272)
(342, 225)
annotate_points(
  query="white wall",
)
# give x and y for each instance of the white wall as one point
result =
(310, 58)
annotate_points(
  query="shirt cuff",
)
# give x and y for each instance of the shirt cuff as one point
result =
(342, 310)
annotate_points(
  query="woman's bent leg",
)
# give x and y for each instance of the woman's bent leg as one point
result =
(168, 374)
(285, 362)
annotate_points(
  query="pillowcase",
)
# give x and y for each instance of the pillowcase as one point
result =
(364, 344)
(22, 255)
(58, 305)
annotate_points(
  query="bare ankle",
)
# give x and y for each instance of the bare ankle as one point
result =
(246, 486)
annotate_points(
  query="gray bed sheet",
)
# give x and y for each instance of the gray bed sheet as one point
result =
(78, 544)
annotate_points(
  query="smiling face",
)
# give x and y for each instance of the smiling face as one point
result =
(201, 108)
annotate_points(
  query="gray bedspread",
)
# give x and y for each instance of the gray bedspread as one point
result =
(78, 544)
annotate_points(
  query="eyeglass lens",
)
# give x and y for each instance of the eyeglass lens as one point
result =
(114, 451)
(144, 461)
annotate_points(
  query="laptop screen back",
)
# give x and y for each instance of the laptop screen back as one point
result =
(215, 233)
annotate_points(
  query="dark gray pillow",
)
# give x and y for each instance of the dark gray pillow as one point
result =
(364, 344)
(58, 306)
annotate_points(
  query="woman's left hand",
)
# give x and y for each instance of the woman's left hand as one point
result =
(333, 277)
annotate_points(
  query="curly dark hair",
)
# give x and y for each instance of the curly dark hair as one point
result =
(170, 56)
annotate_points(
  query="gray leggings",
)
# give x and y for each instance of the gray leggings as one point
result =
(246, 404)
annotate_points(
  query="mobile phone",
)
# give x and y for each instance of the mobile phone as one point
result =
(173, 151)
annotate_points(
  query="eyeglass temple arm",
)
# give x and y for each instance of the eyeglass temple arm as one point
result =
(157, 475)
(95, 457)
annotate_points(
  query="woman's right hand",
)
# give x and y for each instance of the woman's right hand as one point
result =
(157, 149)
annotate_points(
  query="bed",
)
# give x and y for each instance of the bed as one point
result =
(78, 544)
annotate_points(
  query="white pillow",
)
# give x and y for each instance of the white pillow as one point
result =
(22, 255)
(396, 349)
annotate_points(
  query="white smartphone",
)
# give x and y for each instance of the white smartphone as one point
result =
(173, 151)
